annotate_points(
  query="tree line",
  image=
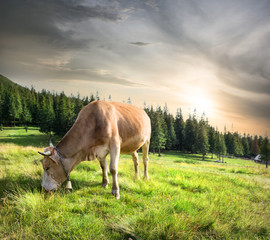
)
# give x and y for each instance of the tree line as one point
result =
(196, 135)
(56, 113)
(51, 112)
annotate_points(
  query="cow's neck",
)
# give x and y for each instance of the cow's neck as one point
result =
(72, 147)
(69, 153)
(68, 146)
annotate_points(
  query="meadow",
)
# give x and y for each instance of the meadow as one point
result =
(185, 198)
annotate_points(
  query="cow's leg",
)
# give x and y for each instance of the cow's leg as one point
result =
(115, 153)
(105, 179)
(135, 159)
(145, 149)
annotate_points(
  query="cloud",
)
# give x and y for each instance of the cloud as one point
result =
(246, 113)
(48, 22)
(94, 76)
(232, 35)
(244, 63)
(139, 44)
(248, 107)
(40, 37)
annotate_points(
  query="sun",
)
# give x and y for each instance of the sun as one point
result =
(201, 101)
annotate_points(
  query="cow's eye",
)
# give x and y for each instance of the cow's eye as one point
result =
(47, 168)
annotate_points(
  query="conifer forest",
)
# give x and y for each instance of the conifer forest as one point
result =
(55, 113)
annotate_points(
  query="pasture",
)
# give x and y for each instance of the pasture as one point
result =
(185, 198)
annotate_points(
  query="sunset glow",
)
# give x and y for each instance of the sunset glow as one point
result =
(201, 102)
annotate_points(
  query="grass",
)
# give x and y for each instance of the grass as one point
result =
(185, 198)
(20, 137)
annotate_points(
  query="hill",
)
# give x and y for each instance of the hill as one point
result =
(7, 83)
(5, 80)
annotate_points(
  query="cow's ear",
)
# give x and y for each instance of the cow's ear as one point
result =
(54, 157)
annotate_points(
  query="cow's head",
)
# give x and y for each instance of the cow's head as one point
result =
(53, 172)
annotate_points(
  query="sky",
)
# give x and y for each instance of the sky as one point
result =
(211, 55)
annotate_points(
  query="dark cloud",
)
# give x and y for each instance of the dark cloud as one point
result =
(47, 21)
(139, 44)
(34, 30)
(32, 12)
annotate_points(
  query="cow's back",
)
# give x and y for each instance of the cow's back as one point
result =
(133, 125)
(130, 123)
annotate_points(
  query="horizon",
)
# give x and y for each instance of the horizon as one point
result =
(187, 54)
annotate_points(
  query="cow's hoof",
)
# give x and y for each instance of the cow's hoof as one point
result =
(105, 185)
(146, 178)
(116, 194)
(137, 177)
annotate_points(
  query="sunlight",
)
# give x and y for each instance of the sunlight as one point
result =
(200, 100)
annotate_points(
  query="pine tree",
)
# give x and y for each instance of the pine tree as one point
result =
(158, 139)
(189, 135)
(255, 149)
(211, 139)
(238, 149)
(220, 146)
(47, 115)
(171, 136)
(2, 98)
(249, 139)
(92, 98)
(260, 141)
(26, 117)
(61, 115)
(246, 146)
(265, 151)
(195, 131)
(85, 101)
(170, 132)
(14, 106)
(179, 126)
(229, 142)
(202, 145)
(5, 116)
(223, 146)
(33, 105)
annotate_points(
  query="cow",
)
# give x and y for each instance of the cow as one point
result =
(100, 128)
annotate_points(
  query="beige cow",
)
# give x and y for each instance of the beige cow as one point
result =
(101, 128)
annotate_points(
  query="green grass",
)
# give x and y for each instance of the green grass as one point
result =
(18, 136)
(185, 198)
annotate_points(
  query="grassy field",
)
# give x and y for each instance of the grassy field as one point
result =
(185, 198)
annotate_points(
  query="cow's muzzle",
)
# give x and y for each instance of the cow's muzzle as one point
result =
(48, 183)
